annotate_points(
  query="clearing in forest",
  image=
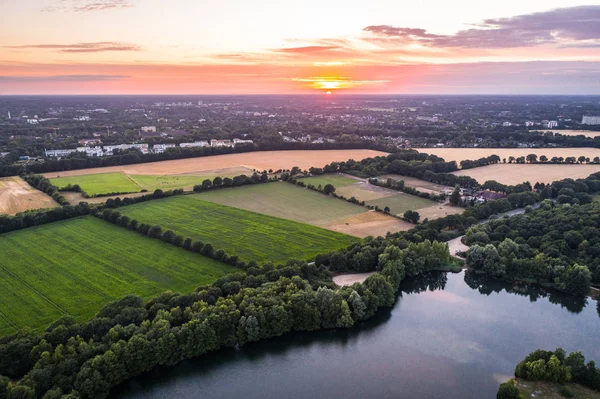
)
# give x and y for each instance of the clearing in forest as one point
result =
(18, 196)
(249, 235)
(77, 266)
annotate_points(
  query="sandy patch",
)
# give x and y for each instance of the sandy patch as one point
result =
(370, 223)
(348, 279)
(460, 154)
(439, 211)
(455, 245)
(421, 185)
(251, 160)
(18, 196)
(364, 191)
(534, 173)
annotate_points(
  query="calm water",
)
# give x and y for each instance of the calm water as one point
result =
(448, 336)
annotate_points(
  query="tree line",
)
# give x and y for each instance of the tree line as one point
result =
(43, 184)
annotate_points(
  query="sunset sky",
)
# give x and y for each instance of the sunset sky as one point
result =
(269, 46)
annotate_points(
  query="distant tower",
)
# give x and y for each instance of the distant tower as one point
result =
(9, 117)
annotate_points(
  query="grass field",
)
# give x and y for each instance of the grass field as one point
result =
(77, 266)
(100, 184)
(18, 196)
(336, 180)
(401, 203)
(249, 235)
(421, 185)
(285, 201)
(151, 183)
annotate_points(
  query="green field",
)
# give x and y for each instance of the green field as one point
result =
(77, 266)
(287, 201)
(401, 203)
(117, 182)
(101, 183)
(152, 183)
(249, 235)
(335, 180)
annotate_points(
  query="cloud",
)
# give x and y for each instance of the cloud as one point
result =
(566, 27)
(307, 49)
(87, 5)
(96, 47)
(60, 78)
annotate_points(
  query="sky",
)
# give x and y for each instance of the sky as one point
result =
(291, 46)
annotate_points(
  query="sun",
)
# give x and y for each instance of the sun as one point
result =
(328, 92)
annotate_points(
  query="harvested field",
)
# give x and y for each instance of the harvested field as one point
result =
(370, 223)
(336, 180)
(460, 154)
(421, 185)
(284, 200)
(249, 235)
(260, 160)
(76, 266)
(586, 133)
(533, 173)
(401, 203)
(18, 196)
(348, 279)
(439, 211)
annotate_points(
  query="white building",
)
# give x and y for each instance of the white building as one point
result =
(551, 124)
(91, 151)
(33, 121)
(195, 144)
(590, 120)
(529, 123)
(109, 149)
(239, 141)
(506, 124)
(84, 118)
(160, 148)
(147, 129)
(221, 143)
(58, 153)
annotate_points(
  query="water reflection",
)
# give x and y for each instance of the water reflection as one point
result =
(425, 282)
(487, 285)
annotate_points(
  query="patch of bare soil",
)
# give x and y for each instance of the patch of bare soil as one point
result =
(370, 223)
(18, 196)
(348, 279)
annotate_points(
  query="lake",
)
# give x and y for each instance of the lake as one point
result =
(448, 336)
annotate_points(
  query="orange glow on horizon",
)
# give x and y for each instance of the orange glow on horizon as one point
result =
(330, 83)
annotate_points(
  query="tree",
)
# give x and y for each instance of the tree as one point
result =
(412, 216)
(576, 280)
(543, 158)
(508, 390)
(206, 184)
(532, 158)
(329, 189)
(386, 210)
(217, 181)
(455, 197)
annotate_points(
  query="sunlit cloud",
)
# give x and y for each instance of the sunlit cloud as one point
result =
(330, 83)
(87, 5)
(96, 47)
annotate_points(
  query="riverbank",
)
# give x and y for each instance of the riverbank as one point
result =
(548, 390)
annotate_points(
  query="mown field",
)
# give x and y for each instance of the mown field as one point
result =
(116, 182)
(284, 200)
(401, 203)
(18, 196)
(103, 183)
(336, 180)
(249, 235)
(76, 266)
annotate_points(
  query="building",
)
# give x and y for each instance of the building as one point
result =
(147, 129)
(84, 118)
(590, 120)
(506, 124)
(33, 121)
(58, 153)
(109, 149)
(195, 144)
(221, 143)
(160, 148)
(239, 141)
(529, 123)
(91, 151)
(552, 124)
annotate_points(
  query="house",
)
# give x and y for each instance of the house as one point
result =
(489, 195)
(160, 148)
(195, 144)
(221, 143)
(58, 153)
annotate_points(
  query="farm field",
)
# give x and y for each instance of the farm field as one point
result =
(260, 160)
(534, 173)
(461, 154)
(18, 196)
(401, 203)
(102, 183)
(286, 201)
(586, 133)
(76, 198)
(338, 181)
(77, 266)
(421, 185)
(370, 223)
(439, 211)
(249, 235)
